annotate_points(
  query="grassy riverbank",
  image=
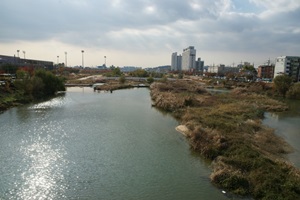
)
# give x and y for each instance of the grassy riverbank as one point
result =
(7, 100)
(247, 157)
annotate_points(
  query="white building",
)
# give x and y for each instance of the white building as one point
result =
(188, 59)
(176, 61)
(222, 70)
(289, 65)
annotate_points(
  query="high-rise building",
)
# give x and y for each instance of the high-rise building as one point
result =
(199, 65)
(188, 59)
(289, 65)
(176, 62)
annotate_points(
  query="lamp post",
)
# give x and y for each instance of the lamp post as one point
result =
(82, 51)
(24, 52)
(18, 51)
(105, 61)
(57, 60)
(66, 59)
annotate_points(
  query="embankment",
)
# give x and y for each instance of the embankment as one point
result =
(247, 157)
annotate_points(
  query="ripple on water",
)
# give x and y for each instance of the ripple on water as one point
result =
(38, 164)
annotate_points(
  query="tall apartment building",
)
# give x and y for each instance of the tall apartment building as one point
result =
(176, 61)
(188, 59)
(289, 65)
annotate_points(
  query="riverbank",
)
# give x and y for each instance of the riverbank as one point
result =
(28, 87)
(247, 157)
(7, 101)
(13, 99)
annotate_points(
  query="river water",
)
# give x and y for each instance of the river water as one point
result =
(86, 145)
(287, 126)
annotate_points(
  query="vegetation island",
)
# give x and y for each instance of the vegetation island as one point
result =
(247, 157)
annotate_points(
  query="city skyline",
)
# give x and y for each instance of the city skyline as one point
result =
(145, 33)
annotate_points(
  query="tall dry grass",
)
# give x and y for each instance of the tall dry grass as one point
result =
(247, 156)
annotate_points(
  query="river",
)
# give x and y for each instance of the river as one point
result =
(287, 126)
(89, 145)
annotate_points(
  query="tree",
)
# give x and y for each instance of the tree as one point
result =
(294, 91)
(150, 79)
(139, 73)
(52, 83)
(22, 74)
(282, 84)
(122, 79)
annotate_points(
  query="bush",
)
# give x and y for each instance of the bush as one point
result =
(294, 91)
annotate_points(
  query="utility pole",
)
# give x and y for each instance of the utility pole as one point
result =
(82, 51)
(66, 64)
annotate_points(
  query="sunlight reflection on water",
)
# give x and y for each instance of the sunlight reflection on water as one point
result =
(44, 163)
(53, 103)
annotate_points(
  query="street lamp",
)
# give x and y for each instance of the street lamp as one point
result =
(82, 51)
(24, 52)
(105, 61)
(18, 53)
(66, 59)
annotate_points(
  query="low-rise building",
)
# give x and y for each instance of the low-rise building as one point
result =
(222, 70)
(265, 71)
(25, 62)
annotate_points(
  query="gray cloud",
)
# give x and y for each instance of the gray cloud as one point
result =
(145, 25)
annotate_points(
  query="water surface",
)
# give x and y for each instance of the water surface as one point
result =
(89, 145)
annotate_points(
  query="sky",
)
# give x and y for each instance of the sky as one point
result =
(145, 33)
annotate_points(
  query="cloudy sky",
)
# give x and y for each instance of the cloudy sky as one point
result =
(146, 32)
